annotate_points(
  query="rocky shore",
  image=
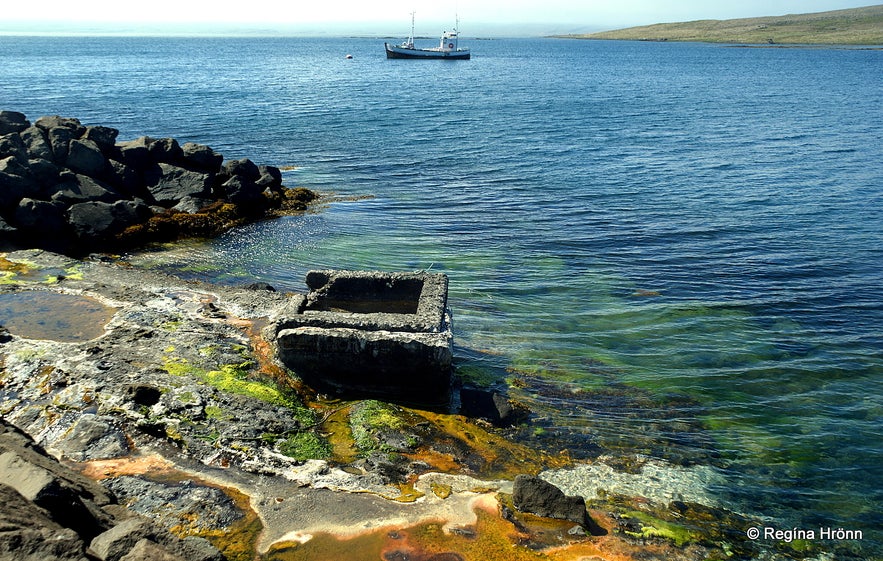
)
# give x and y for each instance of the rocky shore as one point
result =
(74, 189)
(147, 417)
(181, 411)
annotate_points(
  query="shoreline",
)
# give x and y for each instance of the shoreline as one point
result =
(160, 336)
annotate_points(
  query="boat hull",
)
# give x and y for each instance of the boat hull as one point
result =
(393, 51)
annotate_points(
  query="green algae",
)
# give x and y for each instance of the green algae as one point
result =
(12, 272)
(215, 412)
(652, 527)
(369, 419)
(171, 325)
(180, 366)
(20, 271)
(234, 378)
(209, 351)
(305, 446)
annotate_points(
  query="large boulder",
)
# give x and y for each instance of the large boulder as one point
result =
(242, 191)
(50, 512)
(124, 179)
(11, 145)
(14, 440)
(60, 140)
(84, 156)
(12, 121)
(37, 143)
(244, 168)
(78, 188)
(16, 183)
(96, 220)
(104, 137)
(270, 178)
(59, 132)
(29, 534)
(14, 166)
(42, 487)
(54, 121)
(199, 157)
(134, 153)
(7, 235)
(491, 405)
(146, 550)
(119, 542)
(44, 173)
(121, 539)
(168, 184)
(43, 219)
(165, 150)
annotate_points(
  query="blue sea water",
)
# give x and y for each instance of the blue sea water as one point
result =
(666, 250)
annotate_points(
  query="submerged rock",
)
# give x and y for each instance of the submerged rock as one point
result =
(537, 496)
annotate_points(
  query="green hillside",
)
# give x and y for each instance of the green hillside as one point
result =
(857, 26)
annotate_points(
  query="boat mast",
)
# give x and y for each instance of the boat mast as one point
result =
(411, 36)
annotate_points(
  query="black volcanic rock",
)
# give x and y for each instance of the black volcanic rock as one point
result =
(73, 188)
(12, 121)
(169, 184)
(537, 496)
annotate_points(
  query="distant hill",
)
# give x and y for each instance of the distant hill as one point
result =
(857, 26)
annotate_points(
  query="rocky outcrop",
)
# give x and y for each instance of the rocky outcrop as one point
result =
(72, 188)
(51, 512)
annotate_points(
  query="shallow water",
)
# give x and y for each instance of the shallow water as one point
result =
(53, 316)
(666, 249)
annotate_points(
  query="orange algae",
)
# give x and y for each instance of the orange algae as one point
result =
(130, 465)
(491, 538)
(337, 429)
(14, 267)
(482, 451)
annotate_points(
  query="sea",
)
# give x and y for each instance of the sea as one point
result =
(669, 252)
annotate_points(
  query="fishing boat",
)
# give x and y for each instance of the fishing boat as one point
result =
(447, 48)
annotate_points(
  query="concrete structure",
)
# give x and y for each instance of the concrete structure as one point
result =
(371, 334)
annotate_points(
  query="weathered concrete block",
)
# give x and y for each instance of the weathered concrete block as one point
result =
(372, 334)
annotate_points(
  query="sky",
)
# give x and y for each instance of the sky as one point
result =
(389, 16)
